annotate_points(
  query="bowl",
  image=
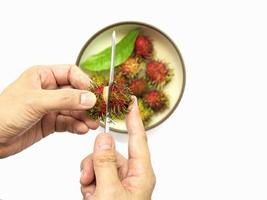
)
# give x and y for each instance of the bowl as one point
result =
(164, 49)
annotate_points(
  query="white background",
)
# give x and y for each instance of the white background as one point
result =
(214, 146)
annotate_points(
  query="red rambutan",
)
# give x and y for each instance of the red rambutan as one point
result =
(120, 79)
(158, 73)
(138, 87)
(130, 67)
(156, 100)
(120, 99)
(99, 110)
(145, 111)
(143, 46)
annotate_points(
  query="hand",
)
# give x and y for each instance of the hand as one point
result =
(106, 174)
(41, 101)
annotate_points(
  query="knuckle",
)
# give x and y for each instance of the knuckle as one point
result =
(86, 161)
(69, 99)
(153, 179)
(83, 190)
(104, 159)
(31, 97)
(32, 104)
(32, 69)
(94, 125)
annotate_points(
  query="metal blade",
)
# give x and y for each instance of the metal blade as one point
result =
(111, 78)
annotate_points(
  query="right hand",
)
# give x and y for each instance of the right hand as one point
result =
(106, 174)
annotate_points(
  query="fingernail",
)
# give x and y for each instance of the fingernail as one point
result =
(88, 99)
(104, 142)
(134, 100)
(134, 103)
(88, 196)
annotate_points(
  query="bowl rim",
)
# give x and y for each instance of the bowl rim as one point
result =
(162, 33)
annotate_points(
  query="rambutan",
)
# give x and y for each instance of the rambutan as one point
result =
(145, 111)
(143, 46)
(120, 79)
(120, 99)
(99, 110)
(158, 73)
(138, 87)
(98, 78)
(130, 67)
(156, 100)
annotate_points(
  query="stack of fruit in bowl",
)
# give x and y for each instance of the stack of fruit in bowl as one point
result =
(137, 73)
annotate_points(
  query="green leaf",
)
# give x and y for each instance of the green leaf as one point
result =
(101, 61)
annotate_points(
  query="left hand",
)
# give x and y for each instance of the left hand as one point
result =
(44, 99)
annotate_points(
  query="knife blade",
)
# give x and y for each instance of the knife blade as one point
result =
(111, 79)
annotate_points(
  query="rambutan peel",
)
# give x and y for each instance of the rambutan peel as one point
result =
(130, 67)
(99, 110)
(120, 99)
(143, 46)
(156, 100)
(138, 87)
(145, 111)
(158, 73)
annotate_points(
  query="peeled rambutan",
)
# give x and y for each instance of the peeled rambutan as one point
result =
(120, 99)
(145, 111)
(158, 73)
(143, 46)
(156, 100)
(130, 67)
(138, 87)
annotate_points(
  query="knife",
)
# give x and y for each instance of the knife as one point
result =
(111, 78)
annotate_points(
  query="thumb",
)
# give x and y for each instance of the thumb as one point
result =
(104, 160)
(66, 99)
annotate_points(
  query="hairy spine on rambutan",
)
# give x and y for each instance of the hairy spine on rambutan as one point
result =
(120, 99)
(156, 100)
(130, 67)
(143, 46)
(158, 74)
(120, 79)
(99, 110)
(98, 78)
(138, 87)
(145, 111)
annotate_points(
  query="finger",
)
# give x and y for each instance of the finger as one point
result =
(20, 142)
(70, 124)
(122, 165)
(87, 171)
(70, 75)
(138, 147)
(88, 189)
(104, 160)
(82, 116)
(65, 99)
(121, 160)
